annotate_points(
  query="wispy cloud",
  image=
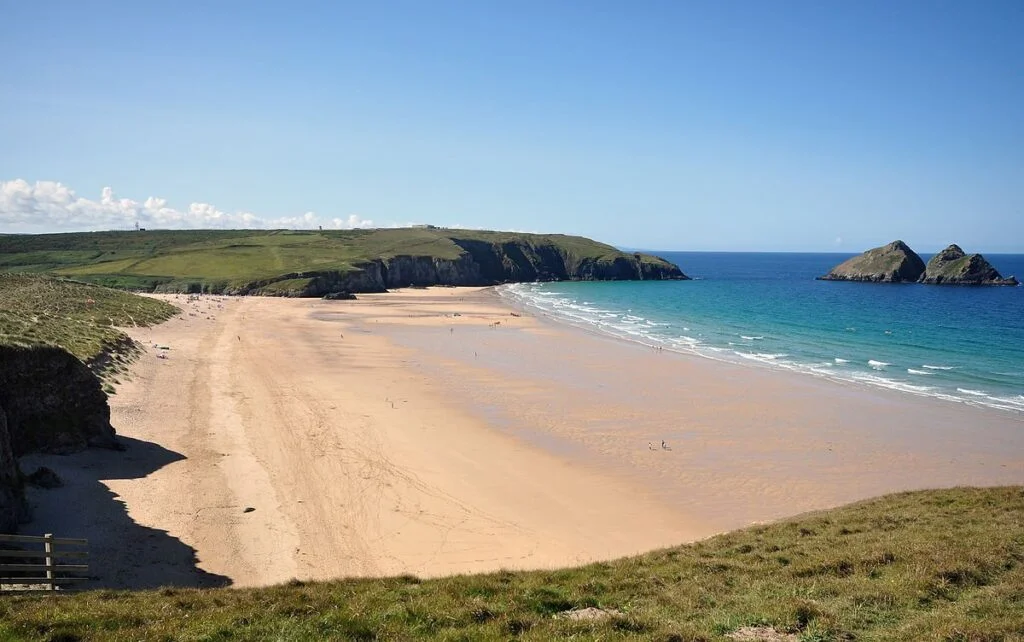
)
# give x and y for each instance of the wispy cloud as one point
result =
(48, 206)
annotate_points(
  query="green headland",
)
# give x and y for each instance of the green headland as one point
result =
(306, 263)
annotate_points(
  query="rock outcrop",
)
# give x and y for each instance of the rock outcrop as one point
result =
(953, 266)
(13, 509)
(892, 263)
(52, 401)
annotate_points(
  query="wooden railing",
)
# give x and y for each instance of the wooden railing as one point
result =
(45, 575)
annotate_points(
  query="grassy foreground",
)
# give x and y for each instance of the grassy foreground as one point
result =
(932, 565)
(78, 317)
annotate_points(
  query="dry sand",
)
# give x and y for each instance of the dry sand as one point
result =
(440, 431)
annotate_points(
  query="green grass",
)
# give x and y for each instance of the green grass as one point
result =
(934, 565)
(218, 259)
(81, 318)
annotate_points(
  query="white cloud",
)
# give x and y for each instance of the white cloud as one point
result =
(48, 206)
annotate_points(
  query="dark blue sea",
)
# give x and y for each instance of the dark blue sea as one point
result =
(963, 344)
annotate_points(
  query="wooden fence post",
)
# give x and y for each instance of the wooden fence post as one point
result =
(48, 549)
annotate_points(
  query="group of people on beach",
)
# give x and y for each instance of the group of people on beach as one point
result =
(664, 446)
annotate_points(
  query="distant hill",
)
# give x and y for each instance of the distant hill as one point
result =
(307, 263)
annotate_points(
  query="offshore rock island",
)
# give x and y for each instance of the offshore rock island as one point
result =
(897, 263)
(953, 266)
(892, 263)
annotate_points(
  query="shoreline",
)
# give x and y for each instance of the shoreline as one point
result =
(896, 441)
(521, 306)
(434, 432)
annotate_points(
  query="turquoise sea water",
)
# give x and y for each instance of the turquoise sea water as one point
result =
(963, 344)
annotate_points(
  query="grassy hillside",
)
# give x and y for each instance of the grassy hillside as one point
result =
(232, 258)
(935, 565)
(81, 318)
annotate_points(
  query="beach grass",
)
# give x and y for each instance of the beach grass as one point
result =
(79, 317)
(930, 565)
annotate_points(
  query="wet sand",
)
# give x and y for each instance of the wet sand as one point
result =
(441, 431)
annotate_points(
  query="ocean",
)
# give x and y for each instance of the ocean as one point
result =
(961, 344)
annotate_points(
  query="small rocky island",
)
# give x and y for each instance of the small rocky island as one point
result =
(897, 263)
(954, 266)
(892, 263)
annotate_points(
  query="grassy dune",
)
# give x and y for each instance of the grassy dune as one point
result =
(933, 565)
(81, 318)
(231, 258)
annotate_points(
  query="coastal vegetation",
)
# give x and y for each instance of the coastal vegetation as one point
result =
(78, 317)
(928, 565)
(313, 263)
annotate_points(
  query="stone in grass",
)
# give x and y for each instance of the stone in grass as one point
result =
(589, 614)
(761, 634)
(44, 477)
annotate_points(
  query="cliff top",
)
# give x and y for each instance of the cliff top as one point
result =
(147, 259)
(887, 568)
(81, 318)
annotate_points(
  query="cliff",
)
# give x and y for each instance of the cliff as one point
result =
(892, 263)
(53, 403)
(952, 266)
(479, 263)
(12, 497)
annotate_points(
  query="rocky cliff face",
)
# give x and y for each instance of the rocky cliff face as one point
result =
(953, 266)
(12, 498)
(481, 263)
(52, 401)
(892, 263)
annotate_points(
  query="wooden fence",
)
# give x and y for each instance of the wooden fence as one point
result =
(46, 575)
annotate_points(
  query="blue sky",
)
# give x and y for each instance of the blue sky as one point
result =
(817, 126)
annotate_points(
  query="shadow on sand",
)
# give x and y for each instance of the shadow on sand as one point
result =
(123, 554)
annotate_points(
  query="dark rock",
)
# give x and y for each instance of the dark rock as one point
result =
(248, 509)
(53, 402)
(44, 477)
(892, 263)
(339, 296)
(952, 266)
(13, 509)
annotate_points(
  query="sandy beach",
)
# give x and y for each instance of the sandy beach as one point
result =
(441, 431)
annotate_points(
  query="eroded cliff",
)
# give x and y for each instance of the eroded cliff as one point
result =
(53, 403)
(12, 495)
(479, 263)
